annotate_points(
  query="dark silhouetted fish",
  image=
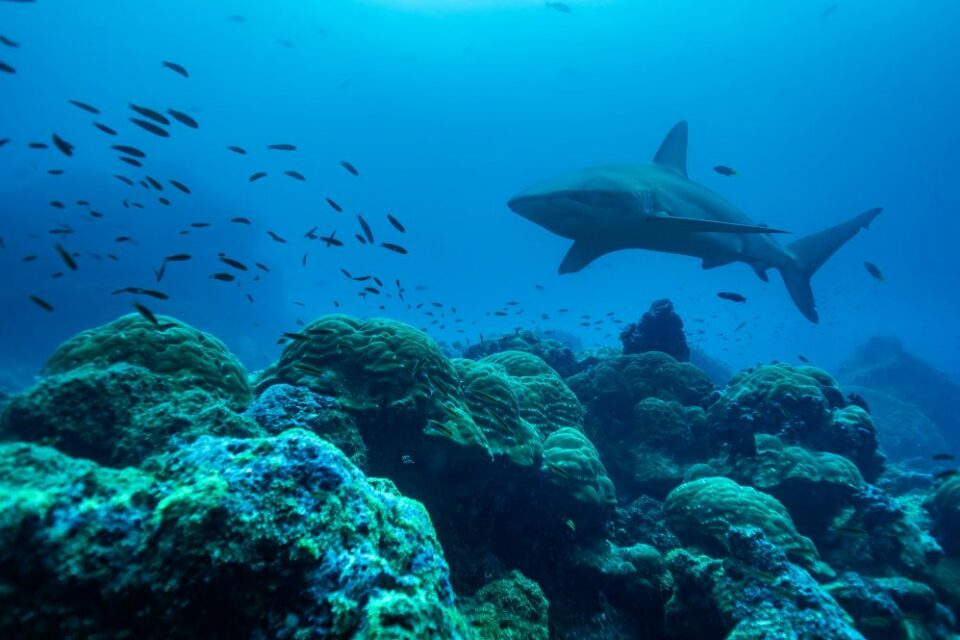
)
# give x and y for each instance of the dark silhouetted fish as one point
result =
(396, 224)
(124, 179)
(55, 172)
(276, 237)
(179, 185)
(178, 257)
(65, 147)
(40, 302)
(107, 130)
(6, 68)
(147, 112)
(725, 170)
(238, 150)
(161, 271)
(333, 205)
(133, 162)
(8, 42)
(331, 240)
(199, 225)
(241, 220)
(147, 314)
(257, 176)
(349, 167)
(56, 204)
(223, 277)
(89, 108)
(360, 238)
(183, 118)
(66, 257)
(731, 296)
(296, 175)
(152, 128)
(873, 270)
(394, 247)
(154, 183)
(261, 266)
(128, 150)
(281, 147)
(173, 66)
(236, 264)
(940, 457)
(367, 231)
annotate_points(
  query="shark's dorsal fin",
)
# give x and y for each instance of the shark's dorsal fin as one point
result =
(673, 150)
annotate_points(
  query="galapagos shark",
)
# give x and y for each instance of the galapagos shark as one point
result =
(657, 207)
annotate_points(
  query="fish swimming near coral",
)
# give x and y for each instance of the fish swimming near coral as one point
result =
(657, 207)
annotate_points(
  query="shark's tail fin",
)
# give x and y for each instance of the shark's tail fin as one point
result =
(810, 254)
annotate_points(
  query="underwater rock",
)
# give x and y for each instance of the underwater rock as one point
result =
(945, 511)
(282, 407)
(659, 329)
(895, 608)
(642, 521)
(118, 414)
(903, 431)
(802, 405)
(702, 512)
(511, 608)
(186, 357)
(559, 356)
(754, 593)
(882, 363)
(267, 537)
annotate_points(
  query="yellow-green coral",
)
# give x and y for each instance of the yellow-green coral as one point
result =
(701, 512)
(187, 357)
(380, 364)
(511, 608)
(570, 460)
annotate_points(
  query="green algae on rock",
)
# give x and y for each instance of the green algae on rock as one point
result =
(510, 608)
(187, 357)
(264, 537)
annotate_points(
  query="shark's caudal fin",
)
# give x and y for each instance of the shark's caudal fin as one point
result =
(810, 254)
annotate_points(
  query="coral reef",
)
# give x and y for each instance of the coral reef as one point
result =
(511, 608)
(945, 509)
(556, 354)
(271, 537)
(659, 329)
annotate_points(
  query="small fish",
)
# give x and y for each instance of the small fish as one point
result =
(4, 142)
(178, 257)
(107, 130)
(261, 266)
(731, 296)
(562, 7)
(331, 240)
(183, 118)
(312, 234)
(249, 297)
(241, 220)
(257, 176)
(43, 304)
(8, 42)
(296, 175)
(394, 247)
(199, 225)
(124, 179)
(223, 277)
(173, 66)
(152, 128)
(159, 273)
(150, 113)
(66, 257)
(89, 108)
(725, 170)
(124, 239)
(303, 262)
(165, 202)
(236, 264)
(275, 237)
(333, 205)
(6, 68)
(367, 231)
(803, 359)
(740, 326)
(396, 224)
(159, 295)
(180, 186)
(29, 258)
(154, 183)
(65, 147)
(349, 167)
(147, 314)
(873, 270)
(55, 172)
(281, 147)
(128, 150)
(56, 204)
(360, 238)
(298, 337)
(133, 162)
(38, 145)
(944, 456)
(238, 150)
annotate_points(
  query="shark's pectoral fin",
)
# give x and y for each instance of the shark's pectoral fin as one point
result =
(697, 225)
(582, 253)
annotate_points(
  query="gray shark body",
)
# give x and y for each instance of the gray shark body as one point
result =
(657, 207)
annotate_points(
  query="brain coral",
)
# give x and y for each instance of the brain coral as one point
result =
(277, 537)
(557, 355)
(701, 513)
(570, 460)
(187, 357)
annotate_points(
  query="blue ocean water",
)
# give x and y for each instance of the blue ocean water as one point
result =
(448, 108)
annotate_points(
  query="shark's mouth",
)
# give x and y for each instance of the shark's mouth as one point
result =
(580, 198)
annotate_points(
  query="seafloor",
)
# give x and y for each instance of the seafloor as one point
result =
(371, 485)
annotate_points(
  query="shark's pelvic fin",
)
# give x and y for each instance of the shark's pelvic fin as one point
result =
(582, 253)
(695, 225)
(673, 150)
(811, 252)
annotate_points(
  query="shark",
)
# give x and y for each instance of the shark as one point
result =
(657, 207)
